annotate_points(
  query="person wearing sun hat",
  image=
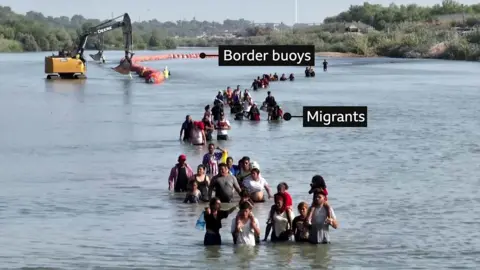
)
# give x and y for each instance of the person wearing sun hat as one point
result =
(179, 175)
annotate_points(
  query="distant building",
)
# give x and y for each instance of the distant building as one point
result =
(357, 27)
(305, 25)
(351, 28)
(274, 26)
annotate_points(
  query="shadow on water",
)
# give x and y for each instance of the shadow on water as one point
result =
(77, 87)
(317, 256)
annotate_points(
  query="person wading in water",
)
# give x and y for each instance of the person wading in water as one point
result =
(281, 219)
(223, 184)
(186, 129)
(300, 225)
(270, 102)
(209, 128)
(203, 181)
(243, 170)
(321, 219)
(222, 127)
(198, 136)
(179, 175)
(255, 184)
(213, 222)
(211, 159)
(245, 226)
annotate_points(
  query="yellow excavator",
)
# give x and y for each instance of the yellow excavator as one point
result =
(72, 65)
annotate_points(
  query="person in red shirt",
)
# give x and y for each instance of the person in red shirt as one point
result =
(287, 198)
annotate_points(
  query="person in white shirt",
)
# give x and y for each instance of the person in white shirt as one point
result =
(247, 104)
(245, 226)
(222, 126)
(255, 184)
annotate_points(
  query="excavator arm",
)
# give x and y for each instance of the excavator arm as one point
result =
(105, 27)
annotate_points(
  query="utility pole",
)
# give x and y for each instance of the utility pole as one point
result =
(296, 12)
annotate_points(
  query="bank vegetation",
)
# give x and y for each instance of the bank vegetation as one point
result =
(449, 30)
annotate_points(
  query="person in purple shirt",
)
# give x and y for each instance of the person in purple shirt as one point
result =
(212, 159)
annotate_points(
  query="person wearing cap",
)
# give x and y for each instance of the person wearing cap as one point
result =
(179, 175)
(222, 127)
(186, 129)
(322, 218)
(255, 184)
(223, 184)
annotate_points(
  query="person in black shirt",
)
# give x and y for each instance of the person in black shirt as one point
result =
(186, 129)
(213, 222)
(300, 225)
(255, 85)
(217, 110)
(325, 65)
(270, 102)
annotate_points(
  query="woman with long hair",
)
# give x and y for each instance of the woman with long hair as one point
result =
(213, 222)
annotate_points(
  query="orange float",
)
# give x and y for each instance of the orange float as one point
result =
(152, 75)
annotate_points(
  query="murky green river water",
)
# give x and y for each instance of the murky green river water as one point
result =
(84, 166)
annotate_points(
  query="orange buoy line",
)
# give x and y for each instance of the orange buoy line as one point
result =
(155, 76)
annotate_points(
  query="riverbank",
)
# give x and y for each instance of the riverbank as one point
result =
(339, 55)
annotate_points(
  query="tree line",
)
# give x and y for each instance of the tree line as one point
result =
(381, 17)
(37, 32)
(395, 31)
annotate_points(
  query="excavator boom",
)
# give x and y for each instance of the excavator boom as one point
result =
(105, 27)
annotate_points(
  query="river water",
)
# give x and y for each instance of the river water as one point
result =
(84, 166)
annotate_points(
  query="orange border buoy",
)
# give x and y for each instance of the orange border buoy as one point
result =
(152, 75)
